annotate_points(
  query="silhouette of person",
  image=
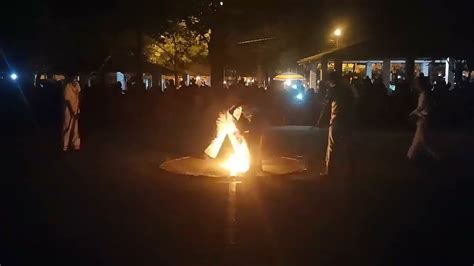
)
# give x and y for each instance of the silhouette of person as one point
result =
(341, 100)
(421, 113)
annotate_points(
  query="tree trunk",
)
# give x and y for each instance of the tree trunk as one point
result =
(176, 79)
(216, 52)
(176, 76)
(139, 51)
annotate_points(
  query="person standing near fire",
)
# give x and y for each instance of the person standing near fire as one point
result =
(340, 98)
(71, 138)
(253, 122)
(250, 118)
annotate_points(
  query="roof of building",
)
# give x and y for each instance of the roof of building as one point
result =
(380, 49)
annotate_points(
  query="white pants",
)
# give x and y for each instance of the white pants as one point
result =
(339, 145)
(419, 141)
(70, 132)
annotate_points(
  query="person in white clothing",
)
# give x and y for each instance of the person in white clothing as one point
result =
(71, 138)
(421, 114)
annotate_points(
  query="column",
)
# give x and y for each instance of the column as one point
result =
(449, 72)
(260, 75)
(186, 79)
(338, 66)
(368, 69)
(425, 68)
(410, 70)
(324, 69)
(312, 77)
(386, 75)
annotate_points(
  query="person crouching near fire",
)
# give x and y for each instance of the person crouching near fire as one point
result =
(252, 123)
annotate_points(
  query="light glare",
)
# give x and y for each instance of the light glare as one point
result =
(299, 96)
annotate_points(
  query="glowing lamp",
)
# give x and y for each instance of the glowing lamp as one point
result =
(14, 76)
(299, 96)
(288, 82)
(338, 32)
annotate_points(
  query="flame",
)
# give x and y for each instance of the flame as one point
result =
(239, 161)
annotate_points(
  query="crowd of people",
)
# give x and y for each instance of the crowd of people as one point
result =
(193, 108)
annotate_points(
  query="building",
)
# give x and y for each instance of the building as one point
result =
(391, 60)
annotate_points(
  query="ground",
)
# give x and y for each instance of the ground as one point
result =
(111, 204)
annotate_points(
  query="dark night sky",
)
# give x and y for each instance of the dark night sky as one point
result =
(303, 24)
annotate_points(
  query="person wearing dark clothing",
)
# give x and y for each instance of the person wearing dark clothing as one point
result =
(340, 99)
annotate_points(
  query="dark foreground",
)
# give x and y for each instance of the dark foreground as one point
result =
(112, 205)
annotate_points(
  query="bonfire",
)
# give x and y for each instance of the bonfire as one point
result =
(238, 162)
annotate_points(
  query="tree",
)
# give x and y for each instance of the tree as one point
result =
(177, 46)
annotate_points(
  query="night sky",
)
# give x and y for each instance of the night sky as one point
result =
(37, 27)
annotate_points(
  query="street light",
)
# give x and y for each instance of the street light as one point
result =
(338, 33)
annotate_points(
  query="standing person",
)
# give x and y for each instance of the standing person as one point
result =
(71, 139)
(341, 100)
(421, 113)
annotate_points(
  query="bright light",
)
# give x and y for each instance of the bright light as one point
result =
(294, 86)
(239, 162)
(299, 96)
(221, 3)
(399, 77)
(14, 76)
(225, 82)
(338, 32)
(288, 82)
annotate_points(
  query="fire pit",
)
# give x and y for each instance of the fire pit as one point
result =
(235, 163)
(214, 168)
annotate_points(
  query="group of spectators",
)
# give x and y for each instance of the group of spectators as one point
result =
(182, 106)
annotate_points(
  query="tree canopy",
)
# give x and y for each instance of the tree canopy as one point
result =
(177, 46)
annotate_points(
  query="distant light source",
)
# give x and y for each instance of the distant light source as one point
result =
(299, 96)
(294, 86)
(338, 32)
(399, 77)
(13, 76)
(288, 82)
(221, 3)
